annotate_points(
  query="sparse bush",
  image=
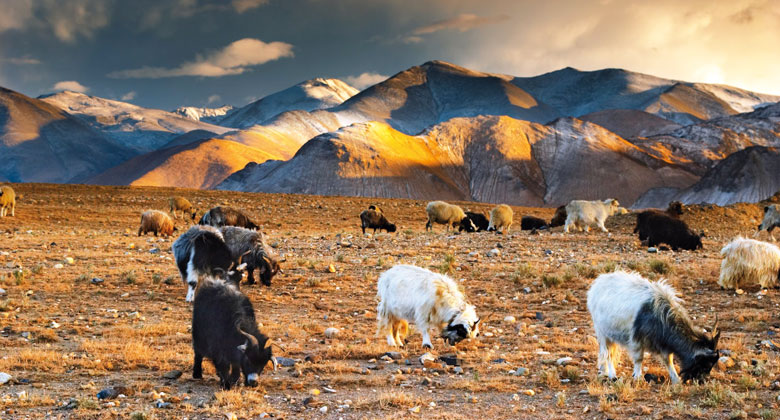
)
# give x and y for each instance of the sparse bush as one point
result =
(340, 258)
(313, 282)
(572, 373)
(37, 269)
(19, 276)
(551, 280)
(586, 271)
(5, 305)
(448, 265)
(169, 280)
(659, 267)
(156, 278)
(608, 267)
(129, 276)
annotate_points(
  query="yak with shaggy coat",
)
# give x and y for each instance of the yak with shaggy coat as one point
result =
(375, 219)
(747, 261)
(675, 210)
(663, 229)
(227, 216)
(201, 251)
(430, 300)
(532, 222)
(559, 218)
(645, 316)
(473, 222)
(248, 247)
(156, 222)
(581, 214)
(224, 329)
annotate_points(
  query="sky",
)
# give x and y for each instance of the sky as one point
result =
(165, 54)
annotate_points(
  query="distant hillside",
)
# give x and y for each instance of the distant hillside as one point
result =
(42, 143)
(207, 115)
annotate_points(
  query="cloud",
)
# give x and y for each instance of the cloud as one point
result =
(67, 20)
(242, 6)
(365, 80)
(464, 22)
(236, 58)
(16, 14)
(129, 96)
(213, 98)
(20, 60)
(71, 85)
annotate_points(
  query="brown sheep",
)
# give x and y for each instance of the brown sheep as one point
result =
(7, 200)
(157, 222)
(183, 205)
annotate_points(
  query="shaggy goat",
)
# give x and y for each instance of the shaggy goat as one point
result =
(443, 214)
(249, 247)
(559, 218)
(375, 219)
(183, 205)
(675, 210)
(7, 201)
(430, 300)
(473, 222)
(157, 222)
(748, 261)
(201, 251)
(661, 228)
(771, 220)
(641, 316)
(226, 216)
(581, 214)
(531, 223)
(500, 219)
(373, 207)
(224, 329)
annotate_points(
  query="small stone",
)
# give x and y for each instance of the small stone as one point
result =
(415, 409)
(69, 260)
(2, 291)
(328, 390)
(521, 371)
(393, 355)
(310, 401)
(312, 358)
(172, 374)
(96, 280)
(107, 394)
(652, 250)
(563, 361)
(539, 316)
(324, 409)
(451, 360)
(495, 252)
(154, 251)
(458, 370)
(58, 266)
(427, 357)
(526, 290)
(510, 319)
(4, 378)
(285, 361)
(331, 332)
(529, 392)
(331, 268)
(740, 291)
(725, 362)
(163, 404)
(314, 391)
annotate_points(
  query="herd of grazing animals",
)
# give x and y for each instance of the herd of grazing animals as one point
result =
(626, 309)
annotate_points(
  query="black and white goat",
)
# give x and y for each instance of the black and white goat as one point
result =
(201, 251)
(224, 330)
(474, 222)
(645, 316)
(249, 247)
(227, 216)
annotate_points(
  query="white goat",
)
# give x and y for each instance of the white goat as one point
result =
(430, 300)
(748, 261)
(581, 214)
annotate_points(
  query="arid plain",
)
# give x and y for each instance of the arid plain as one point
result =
(65, 337)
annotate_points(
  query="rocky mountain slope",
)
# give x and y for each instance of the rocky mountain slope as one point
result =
(207, 115)
(42, 143)
(127, 125)
(310, 95)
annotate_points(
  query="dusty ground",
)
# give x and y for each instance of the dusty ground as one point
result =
(64, 339)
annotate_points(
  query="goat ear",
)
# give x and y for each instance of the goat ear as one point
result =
(766, 209)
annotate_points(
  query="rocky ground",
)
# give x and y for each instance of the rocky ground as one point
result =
(87, 306)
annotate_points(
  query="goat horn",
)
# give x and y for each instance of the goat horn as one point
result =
(248, 336)
(715, 328)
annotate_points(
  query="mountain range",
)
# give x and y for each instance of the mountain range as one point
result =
(434, 131)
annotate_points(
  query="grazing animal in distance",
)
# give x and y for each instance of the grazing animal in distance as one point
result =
(224, 330)
(249, 247)
(443, 214)
(227, 216)
(644, 316)
(661, 228)
(7, 201)
(156, 222)
(375, 219)
(500, 219)
(559, 219)
(675, 210)
(430, 300)
(374, 207)
(771, 221)
(532, 223)
(581, 214)
(473, 222)
(747, 261)
(201, 251)
(183, 205)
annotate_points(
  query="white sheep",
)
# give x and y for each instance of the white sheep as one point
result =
(581, 214)
(430, 300)
(771, 220)
(7, 201)
(747, 261)
(443, 214)
(157, 222)
(641, 316)
(500, 218)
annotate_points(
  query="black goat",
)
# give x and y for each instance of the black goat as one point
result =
(661, 228)
(532, 223)
(474, 222)
(375, 219)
